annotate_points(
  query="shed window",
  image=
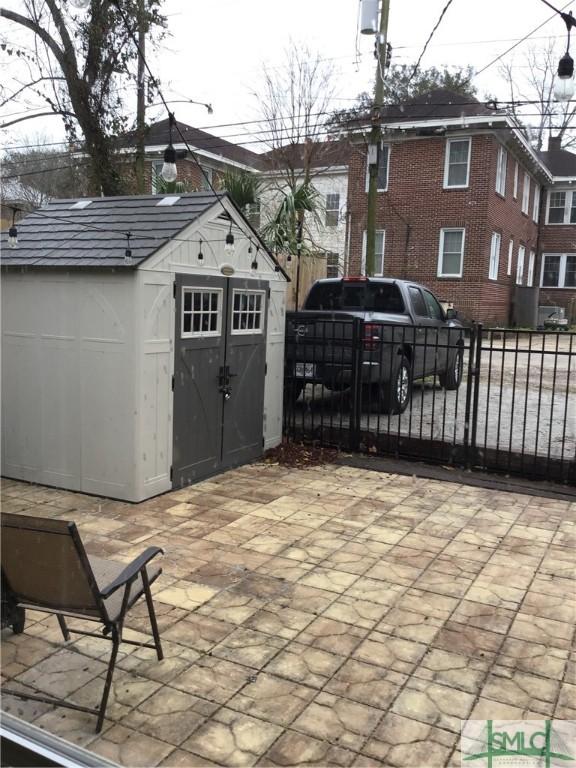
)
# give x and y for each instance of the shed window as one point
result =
(247, 311)
(201, 312)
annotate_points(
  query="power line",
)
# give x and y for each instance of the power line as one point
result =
(521, 40)
(448, 4)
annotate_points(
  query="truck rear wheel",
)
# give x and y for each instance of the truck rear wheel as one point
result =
(396, 393)
(453, 376)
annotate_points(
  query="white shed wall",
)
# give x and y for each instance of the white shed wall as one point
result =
(68, 380)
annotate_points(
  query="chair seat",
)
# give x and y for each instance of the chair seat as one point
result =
(105, 571)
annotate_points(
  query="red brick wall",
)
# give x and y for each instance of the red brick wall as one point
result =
(416, 207)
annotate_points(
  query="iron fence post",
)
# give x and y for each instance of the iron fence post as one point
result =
(476, 372)
(469, 394)
(356, 385)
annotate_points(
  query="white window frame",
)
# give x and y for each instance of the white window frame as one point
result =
(515, 188)
(494, 265)
(520, 264)
(379, 189)
(530, 273)
(510, 256)
(200, 334)
(364, 248)
(526, 194)
(568, 200)
(332, 210)
(561, 272)
(449, 142)
(536, 203)
(443, 231)
(261, 313)
(206, 178)
(501, 169)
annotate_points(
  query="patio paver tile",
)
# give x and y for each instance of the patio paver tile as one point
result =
(435, 704)
(131, 748)
(273, 699)
(295, 749)
(402, 741)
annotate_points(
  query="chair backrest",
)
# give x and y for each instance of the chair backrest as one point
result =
(45, 565)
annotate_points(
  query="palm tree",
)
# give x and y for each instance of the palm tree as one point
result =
(284, 230)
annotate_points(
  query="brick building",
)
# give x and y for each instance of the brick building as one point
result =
(459, 200)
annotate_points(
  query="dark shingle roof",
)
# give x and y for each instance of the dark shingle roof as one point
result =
(439, 103)
(323, 154)
(559, 162)
(158, 134)
(95, 236)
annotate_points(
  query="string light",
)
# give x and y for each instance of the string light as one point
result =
(169, 170)
(229, 246)
(254, 264)
(200, 254)
(128, 251)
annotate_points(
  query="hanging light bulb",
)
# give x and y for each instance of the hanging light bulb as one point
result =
(229, 246)
(254, 264)
(200, 254)
(80, 4)
(169, 171)
(564, 85)
(128, 250)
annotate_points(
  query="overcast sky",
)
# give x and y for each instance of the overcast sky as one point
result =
(216, 49)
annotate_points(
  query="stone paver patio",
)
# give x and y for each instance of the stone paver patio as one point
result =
(329, 616)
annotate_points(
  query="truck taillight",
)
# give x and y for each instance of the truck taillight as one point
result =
(371, 336)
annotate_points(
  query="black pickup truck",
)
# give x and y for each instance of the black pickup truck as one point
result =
(405, 335)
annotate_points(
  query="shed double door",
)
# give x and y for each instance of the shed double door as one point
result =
(219, 371)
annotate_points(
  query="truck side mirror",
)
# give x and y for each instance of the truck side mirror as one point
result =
(451, 314)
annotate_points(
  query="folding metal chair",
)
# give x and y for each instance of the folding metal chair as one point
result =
(46, 568)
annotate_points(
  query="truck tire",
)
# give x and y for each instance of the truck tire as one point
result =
(452, 378)
(397, 393)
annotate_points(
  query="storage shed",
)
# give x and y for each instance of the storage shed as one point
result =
(140, 351)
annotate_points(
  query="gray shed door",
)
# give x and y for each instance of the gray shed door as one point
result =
(219, 370)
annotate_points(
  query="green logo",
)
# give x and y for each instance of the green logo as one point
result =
(521, 743)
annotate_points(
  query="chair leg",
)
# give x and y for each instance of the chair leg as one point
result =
(111, 664)
(63, 627)
(152, 614)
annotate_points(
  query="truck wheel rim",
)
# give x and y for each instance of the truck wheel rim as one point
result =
(402, 383)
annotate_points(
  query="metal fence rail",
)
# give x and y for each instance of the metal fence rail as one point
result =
(493, 399)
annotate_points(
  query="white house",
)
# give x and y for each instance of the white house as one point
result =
(140, 352)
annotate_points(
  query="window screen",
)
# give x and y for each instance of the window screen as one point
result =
(201, 312)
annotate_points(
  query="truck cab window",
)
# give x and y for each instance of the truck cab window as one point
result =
(418, 304)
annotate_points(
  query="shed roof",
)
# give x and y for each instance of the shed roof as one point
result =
(95, 236)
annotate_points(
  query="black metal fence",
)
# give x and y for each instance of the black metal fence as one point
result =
(502, 400)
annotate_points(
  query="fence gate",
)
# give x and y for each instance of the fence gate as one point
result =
(500, 400)
(219, 370)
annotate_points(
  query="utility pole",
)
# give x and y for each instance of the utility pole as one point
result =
(141, 101)
(375, 140)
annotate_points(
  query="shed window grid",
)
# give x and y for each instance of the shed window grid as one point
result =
(201, 312)
(558, 270)
(501, 171)
(457, 166)
(247, 311)
(451, 256)
(332, 209)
